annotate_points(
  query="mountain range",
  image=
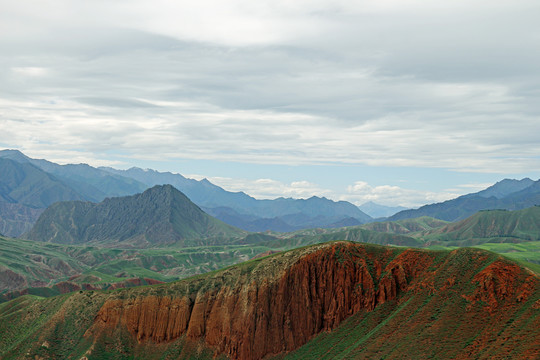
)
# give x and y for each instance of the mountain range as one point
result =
(506, 194)
(378, 211)
(31, 185)
(84, 182)
(248, 213)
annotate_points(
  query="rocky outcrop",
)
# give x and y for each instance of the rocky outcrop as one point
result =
(253, 319)
(10, 279)
(497, 282)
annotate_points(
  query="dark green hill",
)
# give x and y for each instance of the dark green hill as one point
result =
(159, 216)
(490, 226)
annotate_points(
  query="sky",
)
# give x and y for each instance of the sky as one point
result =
(394, 101)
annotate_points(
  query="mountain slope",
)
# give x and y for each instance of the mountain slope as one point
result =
(405, 226)
(25, 191)
(91, 183)
(506, 194)
(490, 226)
(242, 210)
(30, 186)
(504, 188)
(335, 300)
(380, 211)
(161, 215)
(16, 219)
(202, 193)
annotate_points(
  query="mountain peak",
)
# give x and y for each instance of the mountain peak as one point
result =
(160, 215)
(15, 155)
(505, 187)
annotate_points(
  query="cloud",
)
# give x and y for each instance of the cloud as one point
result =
(361, 192)
(269, 188)
(386, 83)
(358, 193)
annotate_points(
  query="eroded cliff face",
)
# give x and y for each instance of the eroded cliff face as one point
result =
(251, 319)
(463, 304)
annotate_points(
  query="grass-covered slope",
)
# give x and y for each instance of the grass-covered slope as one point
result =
(43, 268)
(338, 300)
(46, 269)
(406, 226)
(161, 215)
(489, 226)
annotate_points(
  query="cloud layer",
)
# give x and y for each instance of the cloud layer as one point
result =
(382, 83)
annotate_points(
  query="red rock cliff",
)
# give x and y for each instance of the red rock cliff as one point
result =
(272, 314)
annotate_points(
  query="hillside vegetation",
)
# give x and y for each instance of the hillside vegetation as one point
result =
(334, 300)
(489, 226)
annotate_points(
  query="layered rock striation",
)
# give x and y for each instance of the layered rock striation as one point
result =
(275, 314)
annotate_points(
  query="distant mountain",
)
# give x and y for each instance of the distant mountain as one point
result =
(380, 211)
(248, 213)
(489, 226)
(202, 193)
(161, 215)
(506, 194)
(406, 226)
(504, 188)
(25, 190)
(85, 182)
(26, 184)
(90, 183)
(16, 219)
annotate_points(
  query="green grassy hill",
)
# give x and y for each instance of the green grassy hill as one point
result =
(489, 226)
(30, 266)
(406, 226)
(337, 300)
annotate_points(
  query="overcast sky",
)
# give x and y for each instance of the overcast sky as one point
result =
(396, 101)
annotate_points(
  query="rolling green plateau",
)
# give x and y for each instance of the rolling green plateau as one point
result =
(337, 300)
(36, 268)
(39, 267)
(47, 269)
